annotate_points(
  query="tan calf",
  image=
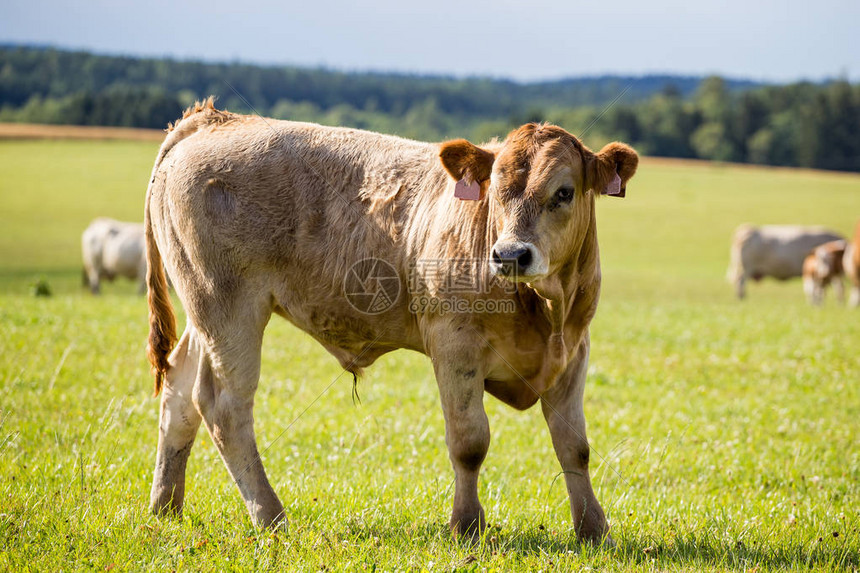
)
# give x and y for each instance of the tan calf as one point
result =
(821, 268)
(254, 217)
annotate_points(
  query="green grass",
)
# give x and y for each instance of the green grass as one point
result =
(725, 434)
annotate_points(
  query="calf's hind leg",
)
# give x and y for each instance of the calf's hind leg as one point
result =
(177, 428)
(224, 396)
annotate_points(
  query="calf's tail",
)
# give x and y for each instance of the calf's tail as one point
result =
(162, 321)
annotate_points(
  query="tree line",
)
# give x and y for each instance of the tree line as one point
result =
(801, 124)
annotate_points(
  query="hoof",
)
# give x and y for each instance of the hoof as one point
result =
(165, 503)
(166, 511)
(275, 520)
(597, 537)
(468, 526)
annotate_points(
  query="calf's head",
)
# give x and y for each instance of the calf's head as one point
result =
(544, 181)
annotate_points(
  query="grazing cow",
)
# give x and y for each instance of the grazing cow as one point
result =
(113, 249)
(823, 267)
(254, 216)
(776, 251)
(851, 266)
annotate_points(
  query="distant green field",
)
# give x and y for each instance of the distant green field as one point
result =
(725, 433)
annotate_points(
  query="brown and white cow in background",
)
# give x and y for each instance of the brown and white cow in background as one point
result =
(851, 266)
(776, 251)
(113, 249)
(822, 268)
(255, 216)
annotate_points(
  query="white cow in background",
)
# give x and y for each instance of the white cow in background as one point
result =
(776, 251)
(113, 249)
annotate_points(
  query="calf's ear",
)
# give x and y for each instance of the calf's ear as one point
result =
(465, 161)
(609, 170)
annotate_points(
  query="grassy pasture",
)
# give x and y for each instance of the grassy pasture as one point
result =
(725, 434)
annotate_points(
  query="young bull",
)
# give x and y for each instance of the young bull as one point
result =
(254, 216)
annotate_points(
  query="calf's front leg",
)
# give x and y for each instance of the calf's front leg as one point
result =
(562, 409)
(467, 431)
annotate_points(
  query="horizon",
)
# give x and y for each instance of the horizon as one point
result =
(547, 41)
(409, 73)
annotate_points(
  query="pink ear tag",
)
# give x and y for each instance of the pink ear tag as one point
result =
(466, 191)
(613, 188)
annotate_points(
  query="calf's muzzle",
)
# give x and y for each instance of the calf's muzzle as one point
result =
(513, 259)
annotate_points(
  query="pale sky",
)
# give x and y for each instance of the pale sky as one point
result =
(542, 39)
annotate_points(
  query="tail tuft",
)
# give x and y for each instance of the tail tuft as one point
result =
(162, 321)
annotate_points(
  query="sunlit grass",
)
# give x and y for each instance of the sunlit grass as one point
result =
(725, 434)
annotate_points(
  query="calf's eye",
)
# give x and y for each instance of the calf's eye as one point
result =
(564, 194)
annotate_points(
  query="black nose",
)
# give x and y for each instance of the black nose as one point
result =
(512, 260)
